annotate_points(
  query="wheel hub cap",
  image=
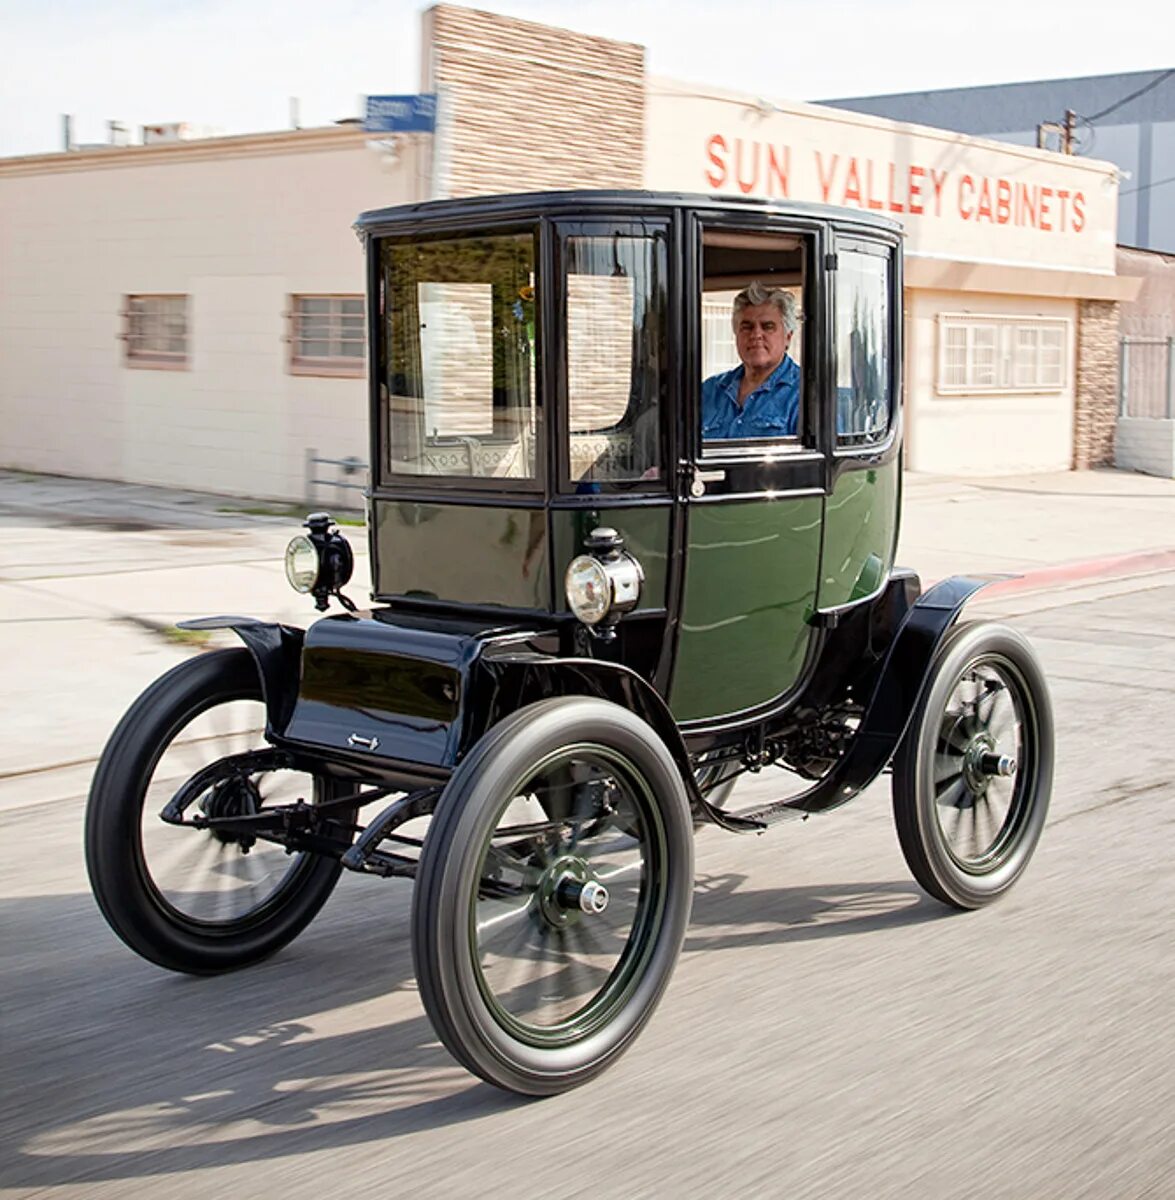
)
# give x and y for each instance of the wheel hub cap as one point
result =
(568, 890)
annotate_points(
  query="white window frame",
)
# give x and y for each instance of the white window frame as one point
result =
(1003, 333)
(332, 364)
(151, 321)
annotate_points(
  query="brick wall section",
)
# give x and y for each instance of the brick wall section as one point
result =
(526, 107)
(1096, 403)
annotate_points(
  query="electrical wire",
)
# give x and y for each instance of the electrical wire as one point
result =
(1146, 187)
(1154, 83)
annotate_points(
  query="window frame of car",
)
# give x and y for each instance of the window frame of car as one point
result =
(853, 242)
(624, 224)
(508, 489)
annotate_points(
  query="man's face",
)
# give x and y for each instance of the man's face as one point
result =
(760, 337)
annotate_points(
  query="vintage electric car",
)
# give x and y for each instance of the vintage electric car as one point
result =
(588, 621)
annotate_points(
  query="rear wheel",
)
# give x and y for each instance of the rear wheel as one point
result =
(973, 775)
(188, 899)
(553, 894)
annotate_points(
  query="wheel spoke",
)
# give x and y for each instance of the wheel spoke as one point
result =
(956, 823)
(947, 767)
(953, 794)
(496, 916)
(545, 962)
(203, 876)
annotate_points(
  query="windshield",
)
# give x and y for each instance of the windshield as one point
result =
(459, 390)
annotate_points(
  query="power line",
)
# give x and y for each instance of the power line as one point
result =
(1154, 83)
(1146, 187)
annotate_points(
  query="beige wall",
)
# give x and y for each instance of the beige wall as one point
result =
(236, 224)
(989, 434)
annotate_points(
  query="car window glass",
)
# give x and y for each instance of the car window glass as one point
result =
(616, 373)
(863, 351)
(459, 336)
(752, 382)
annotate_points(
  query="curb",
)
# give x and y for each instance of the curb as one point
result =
(1119, 566)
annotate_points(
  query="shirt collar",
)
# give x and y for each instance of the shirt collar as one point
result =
(776, 376)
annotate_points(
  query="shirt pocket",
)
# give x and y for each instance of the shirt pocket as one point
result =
(773, 427)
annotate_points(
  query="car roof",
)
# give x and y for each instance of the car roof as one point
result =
(612, 201)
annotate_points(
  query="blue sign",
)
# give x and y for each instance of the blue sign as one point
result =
(401, 114)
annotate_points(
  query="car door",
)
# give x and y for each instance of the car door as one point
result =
(753, 505)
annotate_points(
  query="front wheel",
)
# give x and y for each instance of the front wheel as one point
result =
(553, 894)
(973, 775)
(189, 899)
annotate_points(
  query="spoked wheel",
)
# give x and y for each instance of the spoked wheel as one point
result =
(973, 775)
(553, 894)
(199, 900)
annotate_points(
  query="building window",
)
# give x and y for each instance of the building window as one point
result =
(328, 335)
(155, 332)
(1001, 354)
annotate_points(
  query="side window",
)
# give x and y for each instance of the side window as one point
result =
(864, 353)
(459, 346)
(616, 300)
(752, 309)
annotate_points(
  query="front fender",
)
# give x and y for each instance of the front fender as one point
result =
(511, 678)
(277, 650)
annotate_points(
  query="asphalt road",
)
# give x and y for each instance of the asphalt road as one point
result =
(829, 1031)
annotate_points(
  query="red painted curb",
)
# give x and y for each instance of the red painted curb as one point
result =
(1120, 566)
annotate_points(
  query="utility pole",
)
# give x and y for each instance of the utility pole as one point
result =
(1063, 129)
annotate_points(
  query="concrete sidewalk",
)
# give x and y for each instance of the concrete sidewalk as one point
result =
(93, 576)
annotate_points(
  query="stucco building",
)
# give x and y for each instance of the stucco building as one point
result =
(187, 314)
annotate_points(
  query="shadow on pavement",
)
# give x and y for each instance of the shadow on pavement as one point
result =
(727, 918)
(129, 1072)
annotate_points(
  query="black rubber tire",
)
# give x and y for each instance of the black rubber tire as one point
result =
(119, 874)
(443, 941)
(925, 844)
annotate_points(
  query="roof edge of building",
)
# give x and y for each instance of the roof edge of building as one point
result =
(285, 141)
(926, 273)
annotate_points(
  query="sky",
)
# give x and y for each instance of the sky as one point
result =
(231, 66)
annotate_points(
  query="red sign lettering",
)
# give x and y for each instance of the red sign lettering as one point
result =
(765, 168)
(826, 179)
(716, 175)
(915, 189)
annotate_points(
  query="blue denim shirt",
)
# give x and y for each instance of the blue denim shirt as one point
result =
(771, 410)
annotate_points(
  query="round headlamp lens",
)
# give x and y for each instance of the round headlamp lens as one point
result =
(302, 563)
(589, 591)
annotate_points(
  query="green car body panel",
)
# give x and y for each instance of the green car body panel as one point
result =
(750, 587)
(860, 533)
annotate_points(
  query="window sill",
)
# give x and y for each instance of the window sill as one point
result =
(156, 364)
(963, 393)
(328, 370)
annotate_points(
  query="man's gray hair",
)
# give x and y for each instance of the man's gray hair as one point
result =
(757, 294)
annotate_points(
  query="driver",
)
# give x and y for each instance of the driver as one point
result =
(760, 398)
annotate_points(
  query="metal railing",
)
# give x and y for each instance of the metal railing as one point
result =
(348, 491)
(1146, 378)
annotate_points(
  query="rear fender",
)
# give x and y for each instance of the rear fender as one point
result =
(899, 687)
